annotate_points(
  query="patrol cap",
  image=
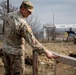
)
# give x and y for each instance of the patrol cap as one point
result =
(28, 5)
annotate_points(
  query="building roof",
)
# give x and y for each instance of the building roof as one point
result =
(65, 25)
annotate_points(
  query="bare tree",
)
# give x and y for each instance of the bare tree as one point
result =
(3, 7)
(34, 22)
(51, 31)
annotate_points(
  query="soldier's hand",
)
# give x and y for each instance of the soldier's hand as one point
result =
(50, 55)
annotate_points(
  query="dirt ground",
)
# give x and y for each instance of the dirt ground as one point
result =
(46, 66)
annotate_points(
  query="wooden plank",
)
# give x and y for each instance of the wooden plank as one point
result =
(66, 59)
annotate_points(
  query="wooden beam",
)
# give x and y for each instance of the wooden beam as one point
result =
(66, 59)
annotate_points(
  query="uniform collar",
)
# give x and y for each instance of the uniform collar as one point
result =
(20, 14)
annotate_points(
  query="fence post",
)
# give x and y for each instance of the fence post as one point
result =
(58, 68)
(35, 63)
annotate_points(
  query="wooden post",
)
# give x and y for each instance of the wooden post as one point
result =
(58, 68)
(35, 63)
(75, 40)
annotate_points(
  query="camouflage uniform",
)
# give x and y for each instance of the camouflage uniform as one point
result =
(15, 29)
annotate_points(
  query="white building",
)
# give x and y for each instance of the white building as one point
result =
(60, 27)
(65, 25)
(45, 28)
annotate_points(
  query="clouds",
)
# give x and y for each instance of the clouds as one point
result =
(64, 10)
(56, 5)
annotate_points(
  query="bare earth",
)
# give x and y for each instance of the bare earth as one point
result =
(46, 66)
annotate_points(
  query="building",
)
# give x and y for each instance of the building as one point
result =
(48, 30)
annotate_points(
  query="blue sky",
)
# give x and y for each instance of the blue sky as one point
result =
(64, 10)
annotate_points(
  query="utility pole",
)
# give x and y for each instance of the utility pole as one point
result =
(53, 18)
(53, 31)
(7, 6)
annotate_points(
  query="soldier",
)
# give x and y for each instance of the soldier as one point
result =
(15, 30)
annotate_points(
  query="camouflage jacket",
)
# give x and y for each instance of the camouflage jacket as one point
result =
(16, 28)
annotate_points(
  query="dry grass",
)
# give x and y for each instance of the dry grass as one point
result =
(46, 66)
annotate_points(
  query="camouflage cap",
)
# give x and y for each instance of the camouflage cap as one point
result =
(28, 5)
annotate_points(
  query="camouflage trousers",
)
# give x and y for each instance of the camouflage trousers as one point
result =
(13, 64)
